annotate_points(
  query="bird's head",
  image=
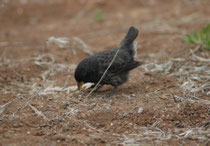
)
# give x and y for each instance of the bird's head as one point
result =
(86, 71)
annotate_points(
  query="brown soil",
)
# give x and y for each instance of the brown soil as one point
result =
(68, 117)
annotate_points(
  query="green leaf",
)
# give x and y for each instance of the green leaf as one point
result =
(206, 29)
(194, 37)
(202, 38)
(189, 39)
(99, 16)
(208, 42)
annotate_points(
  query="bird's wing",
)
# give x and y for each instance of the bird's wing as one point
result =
(122, 62)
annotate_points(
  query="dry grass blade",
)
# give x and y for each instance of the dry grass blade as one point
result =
(198, 133)
(85, 46)
(63, 42)
(198, 57)
(24, 104)
(2, 107)
(39, 113)
(44, 60)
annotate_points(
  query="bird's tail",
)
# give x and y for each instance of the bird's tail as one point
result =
(129, 38)
(133, 65)
(129, 66)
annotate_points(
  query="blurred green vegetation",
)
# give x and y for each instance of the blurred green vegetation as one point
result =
(99, 15)
(201, 38)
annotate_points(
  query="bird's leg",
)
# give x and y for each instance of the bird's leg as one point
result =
(111, 93)
(101, 85)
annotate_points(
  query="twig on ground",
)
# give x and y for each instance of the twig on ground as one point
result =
(39, 113)
(164, 87)
(2, 107)
(24, 104)
(198, 133)
(201, 100)
(84, 123)
(186, 99)
(175, 99)
(199, 58)
(196, 49)
(155, 124)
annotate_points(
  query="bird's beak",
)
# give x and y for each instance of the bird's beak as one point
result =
(79, 85)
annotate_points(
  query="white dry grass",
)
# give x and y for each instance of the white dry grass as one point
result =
(193, 73)
(73, 43)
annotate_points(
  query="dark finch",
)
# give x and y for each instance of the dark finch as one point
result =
(92, 68)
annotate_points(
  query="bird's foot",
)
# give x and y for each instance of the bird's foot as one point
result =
(97, 88)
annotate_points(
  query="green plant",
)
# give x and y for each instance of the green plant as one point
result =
(99, 16)
(202, 38)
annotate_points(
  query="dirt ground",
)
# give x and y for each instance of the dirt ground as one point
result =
(39, 103)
